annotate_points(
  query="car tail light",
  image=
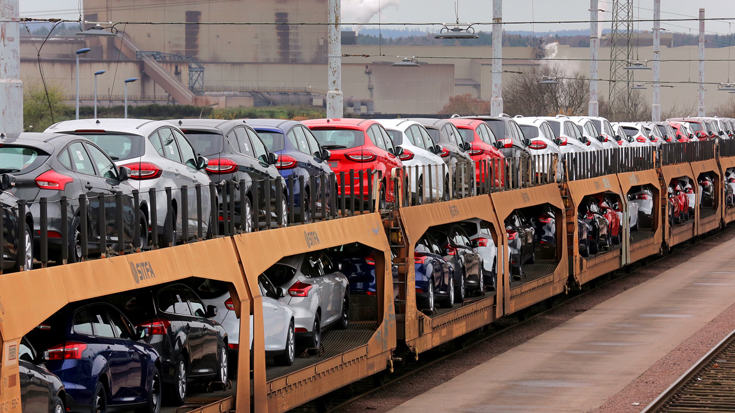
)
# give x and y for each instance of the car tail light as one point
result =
(604, 138)
(545, 220)
(620, 142)
(68, 351)
(300, 330)
(221, 166)
(476, 151)
(418, 258)
(483, 242)
(705, 183)
(53, 180)
(589, 142)
(157, 327)
(563, 141)
(406, 155)
(507, 143)
(371, 293)
(362, 156)
(144, 170)
(51, 234)
(451, 250)
(299, 289)
(444, 153)
(512, 235)
(642, 196)
(286, 162)
(43, 327)
(233, 346)
(640, 139)
(419, 290)
(229, 304)
(370, 260)
(537, 145)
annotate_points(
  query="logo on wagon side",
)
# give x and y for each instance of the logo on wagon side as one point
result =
(634, 179)
(606, 182)
(526, 199)
(142, 271)
(311, 238)
(453, 210)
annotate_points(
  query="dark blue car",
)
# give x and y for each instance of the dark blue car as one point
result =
(91, 347)
(358, 265)
(299, 154)
(434, 275)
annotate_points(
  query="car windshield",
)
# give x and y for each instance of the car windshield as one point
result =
(208, 289)
(630, 131)
(339, 138)
(468, 135)
(20, 159)
(597, 124)
(555, 126)
(435, 135)
(696, 127)
(498, 127)
(279, 274)
(206, 143)
(272, 140)
(119, 146)
(530, 131)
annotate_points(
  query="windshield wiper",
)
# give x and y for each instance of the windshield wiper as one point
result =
(114, 158)
(334, 147)
(5, 171)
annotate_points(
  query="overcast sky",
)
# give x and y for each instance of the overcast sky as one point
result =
(442, 11)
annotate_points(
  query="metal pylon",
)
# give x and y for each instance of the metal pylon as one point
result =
(621, 53)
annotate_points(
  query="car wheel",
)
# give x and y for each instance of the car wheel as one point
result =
(460, 293)
(316, 335)
(344, 320)
(178, 389)
(75, 241)
(58, 406)
(419, 198)
(154, 395)
(305, 205)
(170, 238)
(27, 259)
(99, 400)
(481, 279)
(382, 201)
(449, 301)
(246, 216)
(223, 364)
(143, 228)
(430, 298)
(532, 260)
(284, 212)
(289, 353)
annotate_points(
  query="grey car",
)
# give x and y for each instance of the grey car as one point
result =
(316, 290)
(160, 157)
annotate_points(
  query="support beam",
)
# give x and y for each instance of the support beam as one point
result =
(700, 107)
(594, 109)
(334, 80)
(656, 107)
(496, 102)
(11, 87)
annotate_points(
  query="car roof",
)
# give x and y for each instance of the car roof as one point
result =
(352, 123)
(430, 122)
(533, 121)
(41, 140)
(466, 123)
(208, 124)
(131, 126)
(293, 261)
(272, 124)
(399, 124)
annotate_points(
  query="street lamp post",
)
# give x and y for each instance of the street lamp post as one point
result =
(128, 80)
(80, 51)
(97, 73)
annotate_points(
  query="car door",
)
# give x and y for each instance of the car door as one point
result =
(180, 177)
(193, 176)
(275, 322)
(313, 267)
(321, 167)
(114, 351)
(266, 171)
(35, 390)
(106, 170)
(137, 358)
(184, 332)
(209, 333)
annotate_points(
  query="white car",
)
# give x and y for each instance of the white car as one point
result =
(160, 157)
(590, 135)
(620, 136)
(636, 134)
(654, 135)
(419, 151)
(642, 198)
(730, 182)
(570, 139)
(590, 128)
(278, 319)
(478, 231)
(543, 142)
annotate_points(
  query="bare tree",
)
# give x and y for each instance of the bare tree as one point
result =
(726, 110)
(524, 94)
(466, 105)
(626, 110)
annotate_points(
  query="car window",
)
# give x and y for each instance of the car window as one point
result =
(280, 274)
(197, 307)
(80, 159)
(422, 247)
(261, 152)
(608, 128)
(121, 326)
(303, 145)
(119, 146)
(498, 128)
(427, 138)
(313, 144)
(519, 133)
(530, 131)
(170, 150)
(376, 138)
(100, 323)
(418, 139)
(65, 160)
(105, 167)
(487, 133)
(588, 128)
(312, 266)
(156, 142)
(243, 142)
(187, 152)
(170, 300)
(25, 351)
(449, 133)
(82, 323)
(408, 133)
(267, 288)
(386, 138)
(485, 228)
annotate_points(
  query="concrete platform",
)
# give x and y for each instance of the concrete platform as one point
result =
(577, 366)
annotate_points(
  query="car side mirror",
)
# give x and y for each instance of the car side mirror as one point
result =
(202, 162)
(438, 149)
(6, 182)
(399, 150)
(466, 146)
(325, 154)
(211, 311)
(391, 151)
(618, 138)
(142, 333)
(527, 142)
(557, 141)
(583, 139)
(499, 145)
(123, 173)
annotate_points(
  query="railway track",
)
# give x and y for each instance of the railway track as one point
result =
(708, 386)
(342, 398)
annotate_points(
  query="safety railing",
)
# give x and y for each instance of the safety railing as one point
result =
(681, 152)
(593, 164)
(727, 147)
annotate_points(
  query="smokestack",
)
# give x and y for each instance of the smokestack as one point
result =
(594, 109)
(656, 107)
(496, 102)
(11, 87)
(334, 50)
(701, 63)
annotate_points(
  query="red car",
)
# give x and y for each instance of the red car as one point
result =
(699, 127)
(676, 208)
(681, 133)
(684, 201)
(483, 143)
(358, 145)
(611, 216)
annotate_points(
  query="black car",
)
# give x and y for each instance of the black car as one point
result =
(599, 236)
(193, 348)
(544, 224)
(511, 140)
(13, 228)
(434, 275)
(521, 242)
(455, 151)
(236, 152)
(708, 191)
(40, 390)
(55, 166)
(583, 233)
(467, 264)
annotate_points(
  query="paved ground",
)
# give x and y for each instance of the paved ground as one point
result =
(579, 365)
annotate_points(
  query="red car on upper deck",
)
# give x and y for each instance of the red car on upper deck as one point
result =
(358, 145)
(700, 128)
(483, 148)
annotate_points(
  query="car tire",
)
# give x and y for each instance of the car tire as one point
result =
(223, 375)
(246, 217)
(289, 353)
(419, 198)
(460, 293)
(75, 241)
(532, 260)
(594, 246)
(170, 237)
(284, 211)
(179, 386)
(143, 228)
(481, 279)
(58, 406)
(427, 303)
(316, 332)
(449, 301)
(153, 405)
(344, 319)
(27, 260)
(99, 399)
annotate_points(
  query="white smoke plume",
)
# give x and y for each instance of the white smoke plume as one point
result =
(361, 11)
(553, 57)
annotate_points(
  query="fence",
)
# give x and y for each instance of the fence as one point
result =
(586, 165)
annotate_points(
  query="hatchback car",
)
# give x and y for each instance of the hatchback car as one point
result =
(434, 275)
(484, 147)
(544, 225)
(235, 152)
(543, 142)
(599, 236)
(192, 347)
(698, 127)
(597, 141)
(298, 155)
(92, 347)
(642, 196)
(359, 145)
(605, 204)
(521, 242)
(570, 139)
(160, 157)
(482, 241)
(680, 131)
(40, 390)
(635, 133)
(317, 292)
(51, 166)
(467, 263)
(15, 231)
(708, 199)
(419, 153)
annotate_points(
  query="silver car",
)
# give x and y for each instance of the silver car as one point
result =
(543, 142)
(278, 318)
(160, 157)
(317, 292)
(482, 242)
